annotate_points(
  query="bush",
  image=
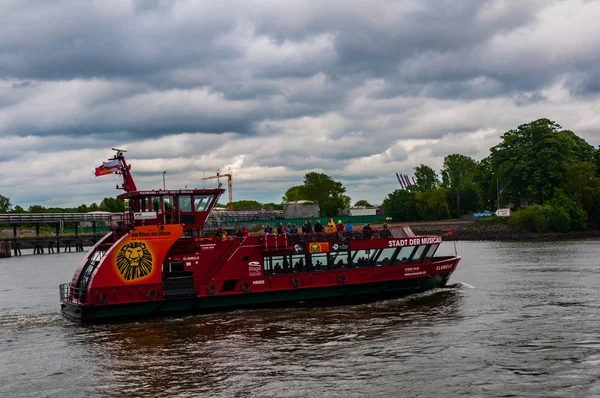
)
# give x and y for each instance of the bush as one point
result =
(578, 216)
(532, 219)
(493, 220)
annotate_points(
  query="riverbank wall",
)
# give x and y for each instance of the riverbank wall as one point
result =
(473, 230)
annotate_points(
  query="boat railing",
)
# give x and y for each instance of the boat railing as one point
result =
(69, 293)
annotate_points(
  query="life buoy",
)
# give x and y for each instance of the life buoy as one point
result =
(103, 298)
(212, 290)
(246, 287)
(152, 294)
(296, 282)
(342, 278)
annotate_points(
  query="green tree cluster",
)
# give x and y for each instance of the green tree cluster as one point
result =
(537, 162)
(322, 189)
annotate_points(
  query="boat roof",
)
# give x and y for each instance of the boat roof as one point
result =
(174, 192)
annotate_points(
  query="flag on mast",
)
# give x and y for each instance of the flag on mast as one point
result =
(110, 167)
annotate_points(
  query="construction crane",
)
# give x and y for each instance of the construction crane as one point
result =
(229, 176)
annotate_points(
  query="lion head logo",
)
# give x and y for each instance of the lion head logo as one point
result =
(134, 261)
(315, 248)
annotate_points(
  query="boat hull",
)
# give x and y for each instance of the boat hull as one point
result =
(317, 296)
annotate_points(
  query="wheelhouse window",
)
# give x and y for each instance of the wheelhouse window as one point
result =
(202, 202)
(168, 203)
(156, 206)
(185, 203)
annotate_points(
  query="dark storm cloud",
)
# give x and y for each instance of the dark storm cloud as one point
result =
(355, 89)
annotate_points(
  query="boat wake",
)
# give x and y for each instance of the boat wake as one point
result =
(459, 285)
(23, 321)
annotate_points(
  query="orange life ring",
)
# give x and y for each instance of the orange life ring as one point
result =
(211, 290)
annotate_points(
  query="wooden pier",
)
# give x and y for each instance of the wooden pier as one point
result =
(58, 240)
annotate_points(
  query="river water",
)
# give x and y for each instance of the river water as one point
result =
(521, 319)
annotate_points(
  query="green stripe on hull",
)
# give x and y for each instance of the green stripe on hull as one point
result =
(341, 293)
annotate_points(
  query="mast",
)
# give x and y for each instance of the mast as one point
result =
(128, 183)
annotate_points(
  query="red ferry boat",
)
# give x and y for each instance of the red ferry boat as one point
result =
(158, 260)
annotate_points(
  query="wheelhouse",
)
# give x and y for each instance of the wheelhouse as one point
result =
(190, 208)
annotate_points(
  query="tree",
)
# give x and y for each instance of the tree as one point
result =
(18, 209)
(274, 206)
(294, 194)
(532, 160)
(427, 179)
(487, 184)
(432, 205)
(457, 174)
(584, 188)
(37, 209)
(322, 189)
(247, 205)
(4, 204)
(112, 205)
(400, 205)
(363, 203)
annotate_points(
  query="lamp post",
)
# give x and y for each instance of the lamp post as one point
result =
(164, 181)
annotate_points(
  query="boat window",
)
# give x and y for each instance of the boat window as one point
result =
(185, 203)
(386, 256)
(297, 262)
(431, 252)
(318, 262)
(156, 206)
(201, 203)
(363, 258)
(168, 203)
(339, 259)
(274, 265)
(404, 255)
(418, 254)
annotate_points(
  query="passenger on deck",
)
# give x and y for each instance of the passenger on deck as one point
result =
(309, 227)
(277, 268)
(318, 227)
(238, 232)
(348, 226)
(244, 231)
(330, 226)
(385, 232)
(268, 230)
(367, 231)
(340, 229)
(280, 229)
(305, 227)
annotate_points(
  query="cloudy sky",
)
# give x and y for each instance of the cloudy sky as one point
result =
(358, 90)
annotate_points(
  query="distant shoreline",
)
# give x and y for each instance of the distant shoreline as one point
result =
(479, 231)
